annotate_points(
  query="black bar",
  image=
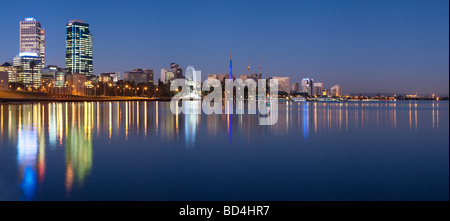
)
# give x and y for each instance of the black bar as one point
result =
(150, 210)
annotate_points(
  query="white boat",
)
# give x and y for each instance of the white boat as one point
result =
(299, 99)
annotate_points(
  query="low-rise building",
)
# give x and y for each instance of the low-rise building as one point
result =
(108, 78)
(12, 71)
(30, 69)
(4, 80)
(139, 75)
(336, 91)
(170, 76)
(77, 82)
(58, 74)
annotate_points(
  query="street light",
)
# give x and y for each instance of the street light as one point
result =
(126, 86)
(105, 92)
(85, 87)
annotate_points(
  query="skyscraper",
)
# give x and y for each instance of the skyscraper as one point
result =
(177, 70)
(32, 38)
(295, 87)
(79, 48)
(318, 89)
(283, 83)
(31, 58)
(308, 86)
(163, 75)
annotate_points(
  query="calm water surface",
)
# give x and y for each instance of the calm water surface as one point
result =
(141, 151)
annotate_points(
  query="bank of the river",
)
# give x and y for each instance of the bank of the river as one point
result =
(18, 96)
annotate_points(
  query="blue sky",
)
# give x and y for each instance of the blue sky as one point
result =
(365, 46)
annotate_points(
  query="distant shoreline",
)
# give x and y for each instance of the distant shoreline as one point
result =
(109, 99)
(32, 97)
(98, 99)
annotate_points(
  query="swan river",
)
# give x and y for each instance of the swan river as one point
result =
(139, 150)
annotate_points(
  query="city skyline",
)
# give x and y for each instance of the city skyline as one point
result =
(225, 108)
(402, 60)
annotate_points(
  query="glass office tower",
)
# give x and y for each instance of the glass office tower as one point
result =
(78, 48)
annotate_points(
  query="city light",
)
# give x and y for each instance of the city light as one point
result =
(28, 54)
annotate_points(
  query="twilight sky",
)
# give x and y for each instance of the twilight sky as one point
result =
(387, 46)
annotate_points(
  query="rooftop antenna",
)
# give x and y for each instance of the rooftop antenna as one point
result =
(248, 67)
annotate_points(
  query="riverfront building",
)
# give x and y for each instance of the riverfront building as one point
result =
(78, 48)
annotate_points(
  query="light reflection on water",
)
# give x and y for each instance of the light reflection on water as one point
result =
(39, 132)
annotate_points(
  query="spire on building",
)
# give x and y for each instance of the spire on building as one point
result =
(231, 67)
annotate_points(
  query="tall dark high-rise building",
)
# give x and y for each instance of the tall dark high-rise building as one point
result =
(79, 48)
(295, 87)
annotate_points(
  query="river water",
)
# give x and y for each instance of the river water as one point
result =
(141, 151)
